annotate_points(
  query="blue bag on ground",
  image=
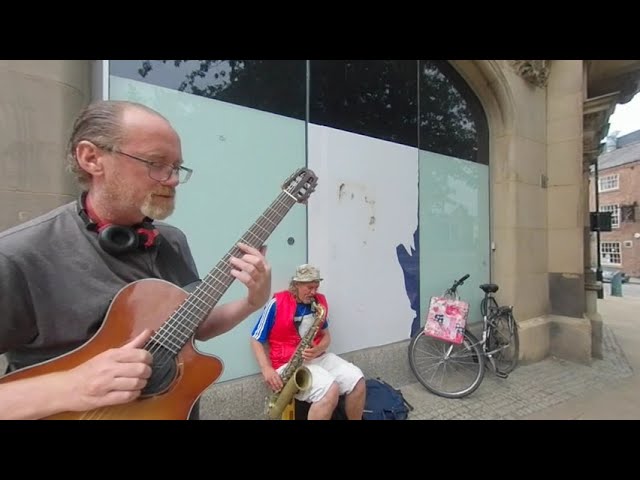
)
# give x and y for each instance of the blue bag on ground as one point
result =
(384, 402)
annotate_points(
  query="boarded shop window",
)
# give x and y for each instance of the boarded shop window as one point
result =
(376, 98)
(452, 121)
(276, 86)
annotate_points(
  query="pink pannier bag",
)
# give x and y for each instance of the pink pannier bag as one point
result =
(446, 319)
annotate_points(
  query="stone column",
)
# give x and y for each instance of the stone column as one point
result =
(571, 332)
(519, 207)
(38, 101)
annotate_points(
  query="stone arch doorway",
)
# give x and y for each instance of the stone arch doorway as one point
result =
(454, 232)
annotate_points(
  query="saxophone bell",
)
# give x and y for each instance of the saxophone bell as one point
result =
(299, 382)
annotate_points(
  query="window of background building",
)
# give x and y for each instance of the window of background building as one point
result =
(610, 253)
(608, 183)
(615, 214)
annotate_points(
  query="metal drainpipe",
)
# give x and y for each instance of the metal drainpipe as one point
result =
(597, 195)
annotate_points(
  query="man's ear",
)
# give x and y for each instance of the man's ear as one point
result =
(89, 157)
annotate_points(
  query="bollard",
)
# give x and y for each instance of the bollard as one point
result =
(616, 284)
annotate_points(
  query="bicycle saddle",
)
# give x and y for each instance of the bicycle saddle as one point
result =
(489, 287)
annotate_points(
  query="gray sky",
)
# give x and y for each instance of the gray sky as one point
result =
(626, 118)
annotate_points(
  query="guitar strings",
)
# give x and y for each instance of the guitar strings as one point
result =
(182, 322)
(278, 209)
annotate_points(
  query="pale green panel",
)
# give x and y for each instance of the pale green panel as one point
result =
(454, 228)
(240, 157)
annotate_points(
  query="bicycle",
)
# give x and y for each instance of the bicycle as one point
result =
(464, 364)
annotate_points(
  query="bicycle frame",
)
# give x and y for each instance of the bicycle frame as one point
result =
(439, 366)
(491, 311)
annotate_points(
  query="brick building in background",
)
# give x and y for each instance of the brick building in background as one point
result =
(619, 193)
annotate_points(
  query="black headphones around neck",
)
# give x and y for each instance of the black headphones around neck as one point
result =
(118, 239)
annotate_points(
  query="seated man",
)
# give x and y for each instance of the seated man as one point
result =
(284, 322)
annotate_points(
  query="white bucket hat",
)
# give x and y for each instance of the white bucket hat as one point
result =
(307, 273)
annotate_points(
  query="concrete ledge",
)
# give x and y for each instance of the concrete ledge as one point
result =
(240, 399)
(565, 337)
(244, 398)
(591, 295)
(534, 339)
(596, 335)
(389, 362)
(570, 338)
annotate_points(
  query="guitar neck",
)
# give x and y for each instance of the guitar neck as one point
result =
(218, 280)
(196, 308)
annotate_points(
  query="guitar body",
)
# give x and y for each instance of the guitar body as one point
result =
(142, 304)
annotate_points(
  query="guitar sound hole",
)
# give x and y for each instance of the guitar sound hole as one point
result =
(163, 370)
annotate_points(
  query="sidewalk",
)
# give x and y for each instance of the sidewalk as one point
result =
(556, 389)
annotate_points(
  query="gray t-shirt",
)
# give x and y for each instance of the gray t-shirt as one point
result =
(56, 283)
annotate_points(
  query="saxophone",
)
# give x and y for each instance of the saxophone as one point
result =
(295, 377)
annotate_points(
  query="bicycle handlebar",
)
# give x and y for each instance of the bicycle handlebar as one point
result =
(459, 282)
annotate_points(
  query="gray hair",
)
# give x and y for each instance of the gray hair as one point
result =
(99, 123)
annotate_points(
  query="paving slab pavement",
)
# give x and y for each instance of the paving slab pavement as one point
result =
(555, 388)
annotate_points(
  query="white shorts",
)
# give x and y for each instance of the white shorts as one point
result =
(325, 370)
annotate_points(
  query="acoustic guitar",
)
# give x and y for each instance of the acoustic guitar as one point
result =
(180, 373)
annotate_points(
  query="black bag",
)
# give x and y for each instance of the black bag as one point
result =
(384, 402)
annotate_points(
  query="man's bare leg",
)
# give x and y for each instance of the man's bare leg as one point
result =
(354, 401)
(323, 408)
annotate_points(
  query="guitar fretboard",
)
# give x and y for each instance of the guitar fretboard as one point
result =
(184, 322)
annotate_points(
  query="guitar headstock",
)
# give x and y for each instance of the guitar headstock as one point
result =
(301, 184)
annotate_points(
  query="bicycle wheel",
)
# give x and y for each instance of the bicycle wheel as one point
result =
(446, 369)
(503, 343)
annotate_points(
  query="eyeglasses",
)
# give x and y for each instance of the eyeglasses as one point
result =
(159, 171)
